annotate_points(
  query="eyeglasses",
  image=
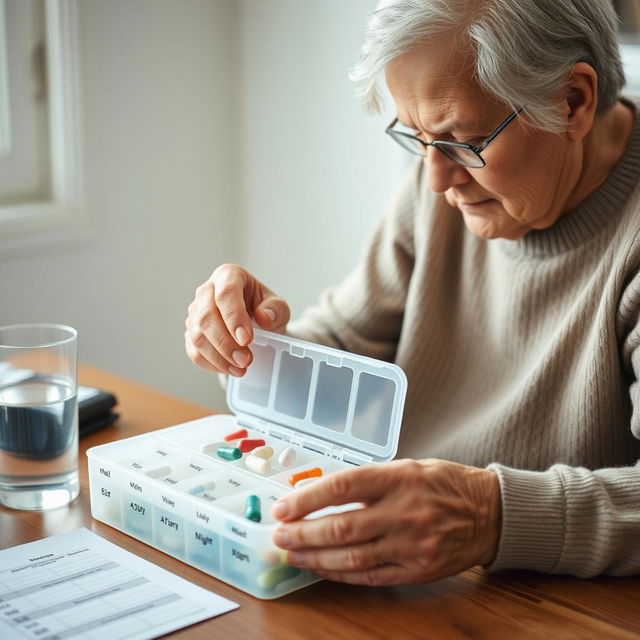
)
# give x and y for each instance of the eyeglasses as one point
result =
(468, 155)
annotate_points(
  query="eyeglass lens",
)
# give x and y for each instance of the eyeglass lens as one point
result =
(461, 155)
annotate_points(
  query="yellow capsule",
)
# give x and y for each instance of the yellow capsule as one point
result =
(273, 577)
(263, 452)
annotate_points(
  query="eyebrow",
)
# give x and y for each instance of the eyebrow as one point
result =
(448, 127)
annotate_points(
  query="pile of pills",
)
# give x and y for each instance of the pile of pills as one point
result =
(259, 457)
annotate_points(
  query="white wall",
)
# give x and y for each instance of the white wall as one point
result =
(193, 113)
(318, 171)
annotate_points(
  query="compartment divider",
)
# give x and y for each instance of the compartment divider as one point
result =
(277, 358)
(348, 423)
(313, 385)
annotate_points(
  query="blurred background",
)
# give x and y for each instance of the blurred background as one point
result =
(145, 142)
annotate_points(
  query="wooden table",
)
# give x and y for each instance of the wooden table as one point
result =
(473, 604)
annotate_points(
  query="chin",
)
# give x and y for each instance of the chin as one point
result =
(488, 230)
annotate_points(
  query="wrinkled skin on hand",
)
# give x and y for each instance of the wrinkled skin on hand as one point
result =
(219, 323)
(422, 520)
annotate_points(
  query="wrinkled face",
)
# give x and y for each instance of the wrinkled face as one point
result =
(529, 175)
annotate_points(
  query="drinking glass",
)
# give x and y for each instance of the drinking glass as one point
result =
(38, 416)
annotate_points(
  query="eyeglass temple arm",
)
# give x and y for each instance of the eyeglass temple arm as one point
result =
(393, 124)
(515, 114)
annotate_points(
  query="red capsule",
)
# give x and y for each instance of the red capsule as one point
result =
(249, 445)
(243, 433)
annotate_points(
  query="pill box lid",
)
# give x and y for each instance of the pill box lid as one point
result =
(341, 404)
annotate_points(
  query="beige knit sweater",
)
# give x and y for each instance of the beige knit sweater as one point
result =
(521, 355)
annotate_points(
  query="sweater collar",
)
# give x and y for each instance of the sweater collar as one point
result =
(594, 213)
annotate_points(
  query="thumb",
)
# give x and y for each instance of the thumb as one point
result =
(272, 314)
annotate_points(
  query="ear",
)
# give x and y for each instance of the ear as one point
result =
(581, 100)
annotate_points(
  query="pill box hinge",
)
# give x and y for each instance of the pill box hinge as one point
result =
(308, 442)
(355, 457)
(318, 446)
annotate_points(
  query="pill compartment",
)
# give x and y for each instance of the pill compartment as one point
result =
(327, 466)
(237, 503)
(330, 409)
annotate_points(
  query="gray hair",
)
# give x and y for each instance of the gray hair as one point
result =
(524, 49)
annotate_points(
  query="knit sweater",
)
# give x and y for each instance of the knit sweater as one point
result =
(521, 355)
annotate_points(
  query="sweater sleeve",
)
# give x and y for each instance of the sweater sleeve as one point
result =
(570, 520)
(573, 520)
(364, 313)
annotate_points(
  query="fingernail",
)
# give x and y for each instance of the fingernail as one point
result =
(296, 557)
(280, 510)
(240, 358)
(281, 537)
(242, 336)
(271, 313)
(235, 371)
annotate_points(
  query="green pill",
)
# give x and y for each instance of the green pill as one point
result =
(273, 577)
(252, 509)
(229, 453)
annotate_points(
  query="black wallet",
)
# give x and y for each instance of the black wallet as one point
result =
(95, 409)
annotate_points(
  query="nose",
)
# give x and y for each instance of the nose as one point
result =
(443, 172)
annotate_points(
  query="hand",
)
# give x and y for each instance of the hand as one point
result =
(218, 324)
(422, 520)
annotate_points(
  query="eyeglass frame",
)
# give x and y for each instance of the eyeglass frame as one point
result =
(438, 144)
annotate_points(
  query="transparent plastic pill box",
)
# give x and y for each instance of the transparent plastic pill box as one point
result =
(171, 489)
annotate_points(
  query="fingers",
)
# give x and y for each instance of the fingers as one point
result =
(273, 314)
(334, 530)
(364, 484)
(219, 320)
(350, 558)
(207, 341)
(229, 283)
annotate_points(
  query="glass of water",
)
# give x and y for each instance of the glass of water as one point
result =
(38, 416)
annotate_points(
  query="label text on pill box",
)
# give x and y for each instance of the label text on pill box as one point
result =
(205, 540)
(170, 523)
(243, 557)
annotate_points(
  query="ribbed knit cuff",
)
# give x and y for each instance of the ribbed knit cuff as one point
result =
(532, 533)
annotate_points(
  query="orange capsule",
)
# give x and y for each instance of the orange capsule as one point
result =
(316, 472)
(249, 445)
(243, 433)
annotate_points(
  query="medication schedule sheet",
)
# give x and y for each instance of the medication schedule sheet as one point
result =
(79, 585)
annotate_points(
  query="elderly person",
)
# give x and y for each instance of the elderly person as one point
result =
(504, 281)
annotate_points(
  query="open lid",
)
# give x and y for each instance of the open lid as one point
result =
(352, 404)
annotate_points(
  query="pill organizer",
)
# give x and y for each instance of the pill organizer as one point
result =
(202, 492)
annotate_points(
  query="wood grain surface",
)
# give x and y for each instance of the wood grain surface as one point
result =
(473, 604)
